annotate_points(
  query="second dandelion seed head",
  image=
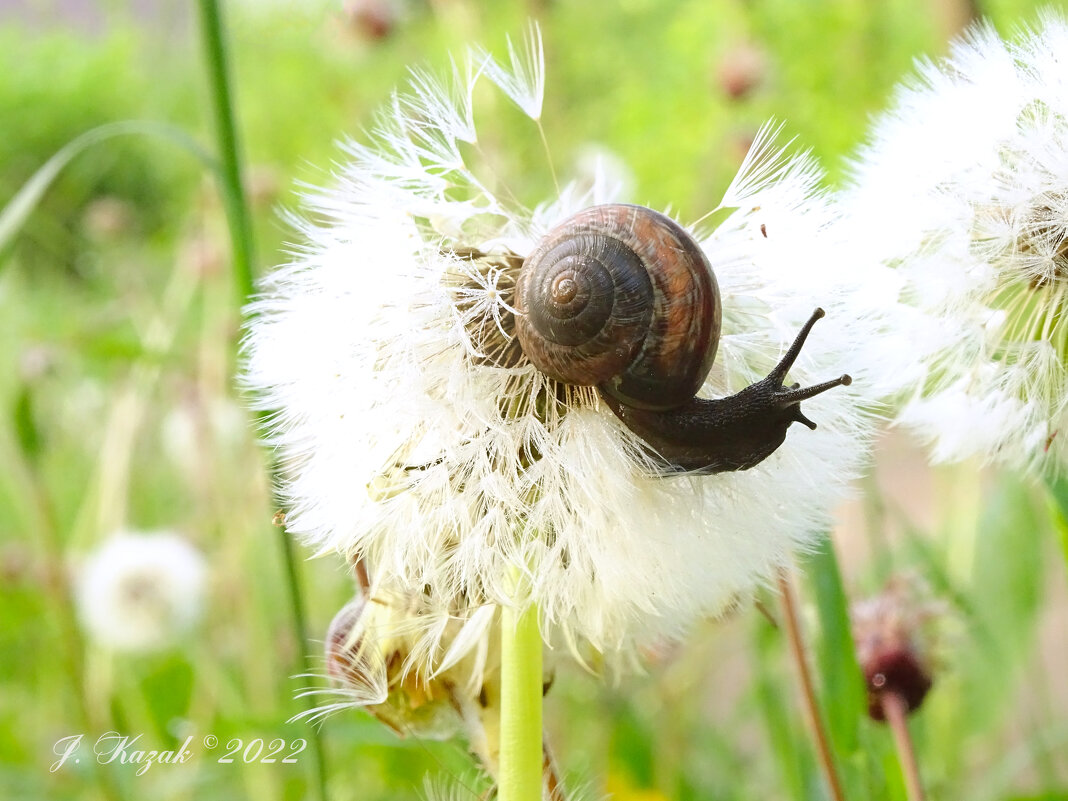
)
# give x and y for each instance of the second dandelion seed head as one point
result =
(963, 189)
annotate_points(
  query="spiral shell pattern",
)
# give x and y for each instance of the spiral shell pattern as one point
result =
(621, 297)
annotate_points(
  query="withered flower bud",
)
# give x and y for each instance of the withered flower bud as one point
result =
(368, 656)
(893, 641)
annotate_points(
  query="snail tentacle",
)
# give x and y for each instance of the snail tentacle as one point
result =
(788, 359)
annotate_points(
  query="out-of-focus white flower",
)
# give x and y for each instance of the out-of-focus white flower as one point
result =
(964, 189)
(407, 449)
(196, 427)
(140, 591)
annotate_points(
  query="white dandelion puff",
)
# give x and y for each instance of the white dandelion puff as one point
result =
(140, 591)
(418, 438)
(963, 188)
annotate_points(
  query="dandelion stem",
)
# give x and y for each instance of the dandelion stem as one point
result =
(241, 240)
(521, 690)
(895, 710)
(808, 691)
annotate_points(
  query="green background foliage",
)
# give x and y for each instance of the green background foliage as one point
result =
(118, 408)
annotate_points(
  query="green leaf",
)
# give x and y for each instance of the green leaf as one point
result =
(783, 737)
(14, 215)
(1058, 492)
(844, 698)
(25, 420)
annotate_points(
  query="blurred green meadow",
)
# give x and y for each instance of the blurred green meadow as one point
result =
(119, 326)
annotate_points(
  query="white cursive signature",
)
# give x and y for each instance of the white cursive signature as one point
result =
(115, 747)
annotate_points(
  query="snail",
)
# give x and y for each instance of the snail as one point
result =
(622, 298)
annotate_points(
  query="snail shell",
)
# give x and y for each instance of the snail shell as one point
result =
(621, 297)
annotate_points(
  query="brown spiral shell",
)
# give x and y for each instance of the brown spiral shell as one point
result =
(621, 297)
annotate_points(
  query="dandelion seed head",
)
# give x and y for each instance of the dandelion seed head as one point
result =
(140, 591)
(418, 438)
(376, 650)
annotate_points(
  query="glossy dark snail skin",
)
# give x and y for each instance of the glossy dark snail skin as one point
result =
(622, 298)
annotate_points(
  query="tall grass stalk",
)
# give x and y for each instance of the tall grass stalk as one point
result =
(241, 239)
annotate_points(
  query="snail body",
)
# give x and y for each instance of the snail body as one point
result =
(622, 298)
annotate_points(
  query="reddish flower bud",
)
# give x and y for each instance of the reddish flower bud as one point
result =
(893, 640)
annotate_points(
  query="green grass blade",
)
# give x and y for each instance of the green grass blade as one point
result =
(1058, 492)
(843, 695)
(214, 40)
(216, 58)
(17, 210)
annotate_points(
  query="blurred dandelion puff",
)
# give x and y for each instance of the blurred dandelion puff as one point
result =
(963, 188)
(140, 591)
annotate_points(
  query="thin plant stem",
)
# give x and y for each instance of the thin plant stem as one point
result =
(241, 238)
(237, 213)
(895, 710)
(548, 156)
(19, 464)
(808, 692)
(300, 628)
(521, 758)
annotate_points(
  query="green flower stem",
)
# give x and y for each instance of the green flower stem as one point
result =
(521, 692)
(240, 224)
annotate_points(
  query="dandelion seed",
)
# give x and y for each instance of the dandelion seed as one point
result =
(141, 591)
(523, 80)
